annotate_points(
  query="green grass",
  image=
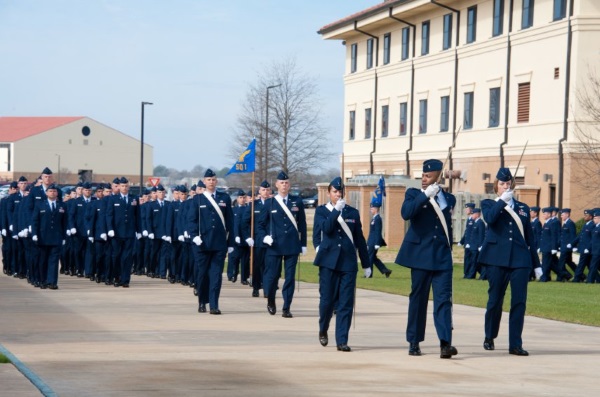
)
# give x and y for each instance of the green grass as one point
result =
(3, 359)
(569, 302)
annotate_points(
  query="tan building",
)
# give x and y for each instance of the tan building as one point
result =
(483, 76)
(74, 148)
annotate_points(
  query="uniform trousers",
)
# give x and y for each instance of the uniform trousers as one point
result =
(48, 259)
(422, 281)
(336, 290)
(122, 251)
(498, 278)
(593, 276)
(210, 275)
(468, 263)
(584, 261)
(566, 259)
(374, 260)
(272, 274)
(233, 263)
(258, 267)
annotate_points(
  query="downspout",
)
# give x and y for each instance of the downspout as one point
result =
(412, 89)
(507, 93)
(561, 154)
(455, 94)
(375, 94)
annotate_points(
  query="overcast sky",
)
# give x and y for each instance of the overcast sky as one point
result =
(193, 59)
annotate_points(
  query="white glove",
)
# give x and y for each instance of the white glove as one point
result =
(26, 232)
(111, 233)
(250, 242)
(151, 236)
(575, 249)
(459, 244)
(303, 250)
(538, 273)
(586, 251)
(138, 235)
(554, 252)
(197, 240)
(73, 230)
(507, 196)
(34, 238)
(479, 249)
(340, 204)
(467, 246)
(16, 237)
(317, 250)
(539, 250)
(20, 234)
(91, 239)
(64, 242)
(103, 236)
(569, 246)
(432, 190)
(377, 247)
(229, 250)
(368, 272)
(88, 232)
(4, 232)
(185, 234)
(145, 233)
(268, 240)
(181, 238)
(168, 239)
(237, 239)
(29, 230)
(164, 238)
(68, 232)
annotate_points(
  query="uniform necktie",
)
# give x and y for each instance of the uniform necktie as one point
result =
(53, 206)
(213, 196)
(161, 204)
(285, 201)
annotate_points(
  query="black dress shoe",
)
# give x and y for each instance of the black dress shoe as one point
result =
(414, 350)
(255, 293)
(388, 273)
(234, 279)
(488, 344)
(92, 278)
(518, 351)
(53, 286)
(244, 282)
(271, 307)
(448, 351)
(117, 284)
(43, 286)
(344, 348)
(323, 339)
(202, 308)
(286, 314)
(125, 285)
(215, 311)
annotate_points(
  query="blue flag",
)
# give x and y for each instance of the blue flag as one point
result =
(246, 162)
(379, 192)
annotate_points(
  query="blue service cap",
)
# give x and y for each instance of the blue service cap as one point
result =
(160, 188)
(46, 171)
(547, 209)
(589, 211)
(555, 209)
(432, 165)
(470, 205)
(209, 173)
(52, 186)
(504, 174)
(153, 189)
(476, 210)
(79, 184)
(596, 212)
(241, 193)
(22, 179)
(176, 188)
(534, 209)
(201, 184)
(565, 210)
(265, 184)
(282, 176)
(336, 183)
(13, 185)
(123, 180)
(117, 180)
(86, 185)
(193, 187)
(183, 189)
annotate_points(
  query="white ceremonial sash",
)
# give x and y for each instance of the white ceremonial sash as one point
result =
(440, 215)
(286, 210)
(216, 206)
(512, 213)
(342, 223)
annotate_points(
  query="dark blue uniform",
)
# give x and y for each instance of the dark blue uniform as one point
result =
(48, 227)
(549, 244)
(76, 220)
(427, 252)
(468, 260)
(476, 238)
(156, 225)
(536, 227)
(509, 257)
(96, 224)
(568, 233)
(593, 275)
(260, 248)
(122, 218)
(376, 238)
(337, 261)
(583, 242)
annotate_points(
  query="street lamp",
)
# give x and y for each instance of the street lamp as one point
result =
(58, 155)
(267, 131)
(142, 149)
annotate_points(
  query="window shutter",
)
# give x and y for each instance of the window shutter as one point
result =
(523, 103)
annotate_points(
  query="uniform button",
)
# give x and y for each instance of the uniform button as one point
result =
(434, 236)
(510, 239)
(436, 227)
(510, 231)
(339, 245)
(510, 223)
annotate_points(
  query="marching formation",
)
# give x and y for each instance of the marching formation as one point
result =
(110, 234)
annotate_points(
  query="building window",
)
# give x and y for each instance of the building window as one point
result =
(560, 9)
(556, 73)
(369, 53)
(447, 32)
(527, 14)
(387, 40)
(498, 26)
(523, 103)
(403, 115)
(425, 38)
(422, 116)
(352, 124)
(468, 119)
(353, 50)
(494, 107)
(405, 42)
(385, 111)
(444, 113)
(368, 123)
(471, 24)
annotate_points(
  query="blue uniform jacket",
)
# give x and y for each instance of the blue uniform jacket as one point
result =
(274, 221)
(49, 226)
(238, 215)
(173, 221)
(335, 242)
(11, 209)
(204, 221)
(568, 233)
(595, 241)
(536, 227)
(77, 212)
(477, 235)
(584, 239)
(123, 217)
(156, 222)
(96, 217)
(246, 221)
(425, 245)
(375, 233)
(467, 235)
(504, 244)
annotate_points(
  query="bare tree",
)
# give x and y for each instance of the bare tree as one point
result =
(295, 135)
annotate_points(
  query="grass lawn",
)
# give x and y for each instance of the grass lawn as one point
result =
(3, 359)
(573, 303)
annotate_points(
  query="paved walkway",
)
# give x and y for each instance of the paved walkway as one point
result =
(87, 339)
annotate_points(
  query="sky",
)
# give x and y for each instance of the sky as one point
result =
(195, 60)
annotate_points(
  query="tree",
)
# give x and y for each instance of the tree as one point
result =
(161, 170)
(295, 135)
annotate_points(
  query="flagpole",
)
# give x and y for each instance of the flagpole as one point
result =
(252, 233)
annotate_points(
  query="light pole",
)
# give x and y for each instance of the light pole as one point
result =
(142, 149)
(266, 170)
(58, 155)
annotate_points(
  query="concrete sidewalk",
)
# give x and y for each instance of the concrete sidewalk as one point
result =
(87, 339)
